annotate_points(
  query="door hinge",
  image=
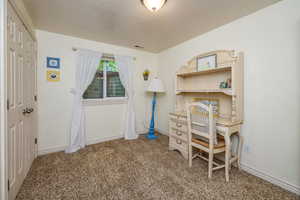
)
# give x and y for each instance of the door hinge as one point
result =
(7, 104)
(35, 141)
(8, 185)
(35, 97)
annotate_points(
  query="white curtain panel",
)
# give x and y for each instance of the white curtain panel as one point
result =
(126, 68)
(86, 67)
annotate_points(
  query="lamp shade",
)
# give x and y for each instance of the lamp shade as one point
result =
(156, 86)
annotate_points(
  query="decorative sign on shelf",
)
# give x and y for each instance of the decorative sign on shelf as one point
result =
(207, 62)
(53, 76)
(225, 84)
(53, 62)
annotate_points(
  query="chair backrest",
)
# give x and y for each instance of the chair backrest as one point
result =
(201, 125)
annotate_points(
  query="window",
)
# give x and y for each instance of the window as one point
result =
(106, 83)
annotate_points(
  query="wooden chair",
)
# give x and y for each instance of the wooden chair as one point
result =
(202, 135)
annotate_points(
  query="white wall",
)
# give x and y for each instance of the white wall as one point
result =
(55, 100)
(270, 39)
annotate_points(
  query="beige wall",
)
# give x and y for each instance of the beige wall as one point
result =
(270, 39)
(55, 100)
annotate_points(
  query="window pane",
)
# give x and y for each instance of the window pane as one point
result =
(114, 87)
(113, 84)
(95, 89)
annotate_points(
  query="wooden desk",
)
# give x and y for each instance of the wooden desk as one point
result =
(179, 137)
(221, 86)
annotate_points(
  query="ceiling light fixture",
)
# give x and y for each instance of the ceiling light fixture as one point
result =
(153, 5)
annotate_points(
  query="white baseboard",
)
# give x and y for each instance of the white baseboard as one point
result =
(276, 181)
(51, 150)
(62, 148)
(104, 139)
(162, 131)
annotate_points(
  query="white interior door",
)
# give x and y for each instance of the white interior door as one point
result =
(29, 96)
(20, 103)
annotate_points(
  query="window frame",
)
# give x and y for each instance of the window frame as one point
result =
(105, 100)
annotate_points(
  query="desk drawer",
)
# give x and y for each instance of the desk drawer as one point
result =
(180, 125)
(178, 134)
(178, 144)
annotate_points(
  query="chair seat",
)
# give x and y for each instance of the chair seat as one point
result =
(221, 143)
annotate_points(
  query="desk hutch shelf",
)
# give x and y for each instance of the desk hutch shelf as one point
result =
(192, 85)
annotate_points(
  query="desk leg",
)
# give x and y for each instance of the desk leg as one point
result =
(241, 141)
(227, 155)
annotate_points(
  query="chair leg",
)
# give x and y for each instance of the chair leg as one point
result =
(190, 155)
(210, 163)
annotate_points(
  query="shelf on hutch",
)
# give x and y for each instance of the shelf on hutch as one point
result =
(223, 91)
(196, 73)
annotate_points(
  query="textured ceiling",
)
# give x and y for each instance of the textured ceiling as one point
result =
(128, 23)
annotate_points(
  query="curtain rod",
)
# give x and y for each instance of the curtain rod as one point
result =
(105, 55)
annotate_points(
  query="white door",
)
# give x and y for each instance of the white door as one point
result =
(29, 99)
(20, 102)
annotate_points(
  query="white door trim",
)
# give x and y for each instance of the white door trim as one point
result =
(3, 97)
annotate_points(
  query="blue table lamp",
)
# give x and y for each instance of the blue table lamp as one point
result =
(155, 87)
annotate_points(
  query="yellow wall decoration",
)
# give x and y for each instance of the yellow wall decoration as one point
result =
(53, 76)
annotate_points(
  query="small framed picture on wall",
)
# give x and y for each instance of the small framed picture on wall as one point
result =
(53, 76)
(207, 62)
(53, 62)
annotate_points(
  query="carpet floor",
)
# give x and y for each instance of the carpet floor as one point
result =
(137, 170)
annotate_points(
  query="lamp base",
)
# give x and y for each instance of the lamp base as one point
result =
(151, 137)
(151, 134)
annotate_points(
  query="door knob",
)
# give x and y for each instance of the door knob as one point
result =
(27, 111)
(24, 111)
